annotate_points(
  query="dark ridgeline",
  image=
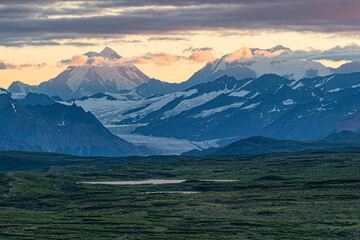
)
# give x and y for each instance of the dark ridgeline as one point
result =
(258, 145)
(57, 128)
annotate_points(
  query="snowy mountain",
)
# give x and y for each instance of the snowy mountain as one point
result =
(231, 109)
(248, 67)
(349, 67)
(88, 79)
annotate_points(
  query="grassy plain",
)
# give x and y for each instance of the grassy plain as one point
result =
(314, 195)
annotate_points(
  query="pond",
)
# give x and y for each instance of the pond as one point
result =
(150, 181)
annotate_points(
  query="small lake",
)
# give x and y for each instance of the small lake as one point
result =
(209, 180)
(173, 192)
(154, 181)
(151, 181)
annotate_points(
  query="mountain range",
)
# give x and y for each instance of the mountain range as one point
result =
(270, 106)
(126, 79)
(57, 128)
(227, 100)
(259, 145)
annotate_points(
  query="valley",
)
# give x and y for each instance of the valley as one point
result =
(275, 196)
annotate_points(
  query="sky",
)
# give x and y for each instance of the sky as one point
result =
(171, 39)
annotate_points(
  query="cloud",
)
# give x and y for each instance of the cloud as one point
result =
(339, 53)
(162, 59)
(159, 59)
(79, 44)
(192, 49)
(33, 20)
(202, 56)
(4, 66)
(348, 53)
(242, 53)
(76, 60)
(168, 39)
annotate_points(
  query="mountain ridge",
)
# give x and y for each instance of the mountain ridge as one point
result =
(57, 128)
(88, 79)
(259, 145)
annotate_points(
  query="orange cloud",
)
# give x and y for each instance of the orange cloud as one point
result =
(76, 60)
(162, 59)
(239, 54)
(202, 56)
(269, 54)
(159, 59)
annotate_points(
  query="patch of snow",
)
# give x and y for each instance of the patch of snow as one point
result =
(62, 124)
(188, 104)
(256, 94)
(208, 112)
(76, 76)
(13, 106)
(251, 106)
(219, 65)
(335, 90)
(296, 68)
(324, 81)
(245, 84)
(319, 109)
(288, 102)
(241, 93)
(274, 109)
(299, 85)
(18, 95)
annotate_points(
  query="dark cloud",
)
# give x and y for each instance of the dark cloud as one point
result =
(348, 53)
(35, 19)
(79, 44)
(192, 49)
(4, 65)
(168, 39)
(339, 53)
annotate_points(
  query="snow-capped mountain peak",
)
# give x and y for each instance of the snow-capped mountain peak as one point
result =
(244, 64)
(109, 53)
(88, 79)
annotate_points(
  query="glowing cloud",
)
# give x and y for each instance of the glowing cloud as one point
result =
(202, 56)
(159, 59)
(242, 53)
(162, 59)
(268, 54)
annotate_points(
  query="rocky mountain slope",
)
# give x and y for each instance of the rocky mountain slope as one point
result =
(57, 128)
(272, 106)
